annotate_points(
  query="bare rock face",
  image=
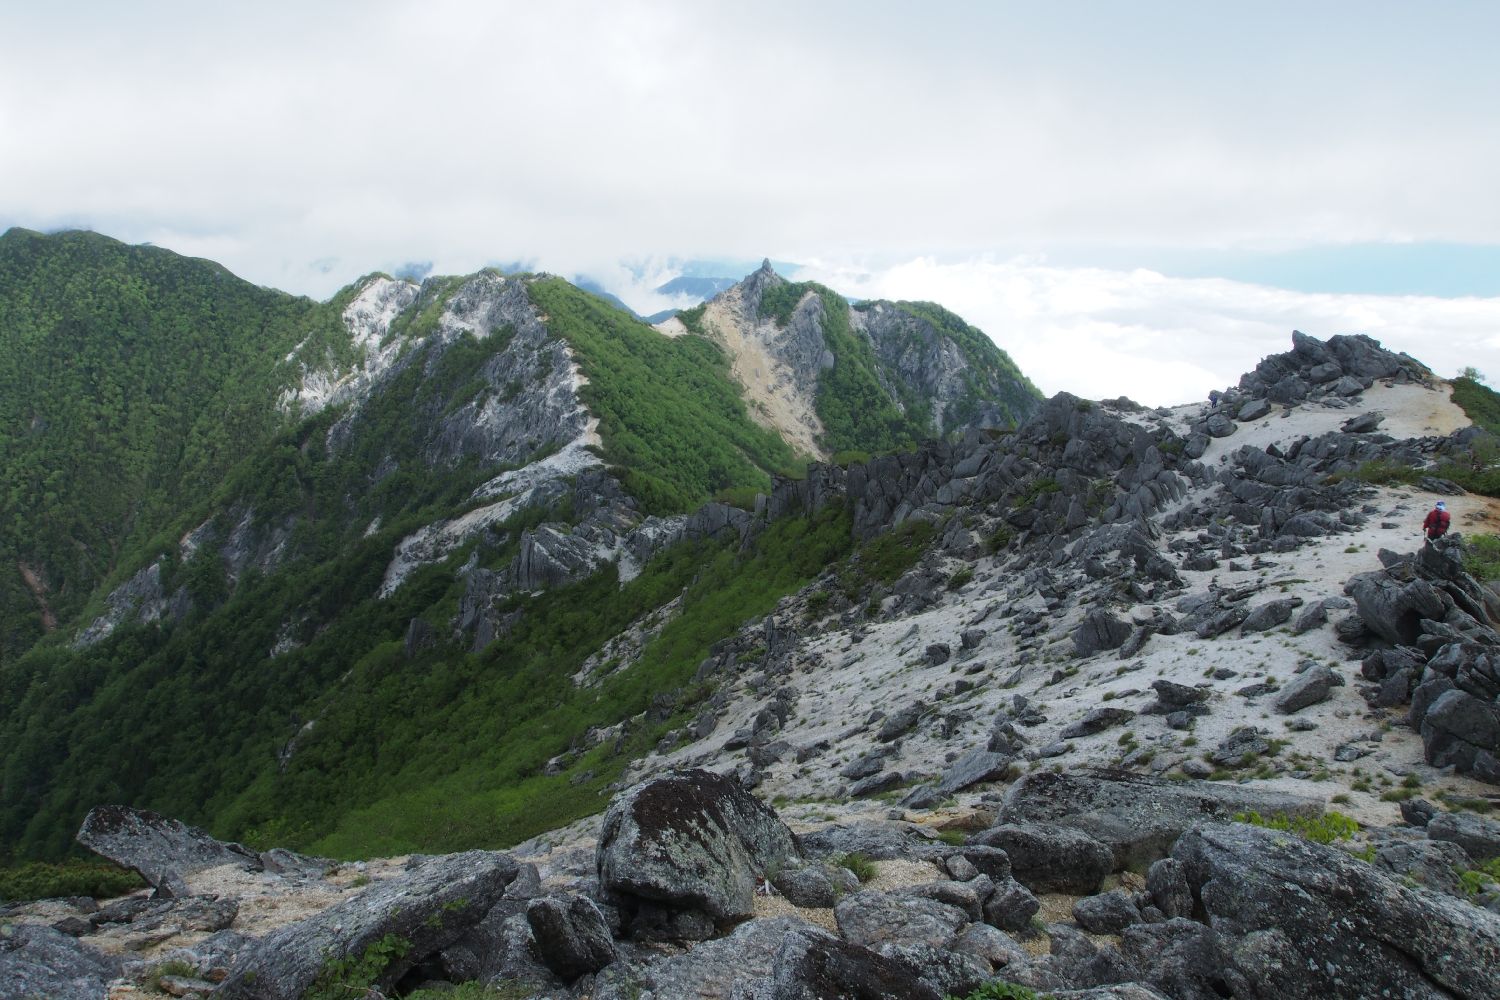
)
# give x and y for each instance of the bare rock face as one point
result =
(154, 846)
(1301, 920)
(690, 840)
(392, 926)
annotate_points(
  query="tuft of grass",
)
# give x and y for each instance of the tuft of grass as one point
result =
(862, 867)
(1324, 829)
(961, 577)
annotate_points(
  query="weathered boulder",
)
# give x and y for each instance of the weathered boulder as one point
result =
(424, 910)
(1394, 610)
(814, 884)
(1308, 688)
(873, 918)
(1301, 920)
(1097, 721)
(1458, 729)
(1010, 906)
(878, 840)
(1099, 631)
(712, 969)
(154, 846)
(1107, 913)
(1167, 886)
(972, 768)
(37, 961)
(813, 965)
(571, 935)
(1270, 614)
(950, 973)
(1048, 858)
(1433, 863)
(1478, 836)
(1138, 818)
(690, 840)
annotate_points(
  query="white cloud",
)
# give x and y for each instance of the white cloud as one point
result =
(579, 134)
(1163, 340)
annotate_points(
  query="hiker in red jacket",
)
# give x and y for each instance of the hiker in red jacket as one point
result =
(1436, 525)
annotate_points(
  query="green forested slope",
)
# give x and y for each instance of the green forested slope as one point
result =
(670, 415)
(131, 379)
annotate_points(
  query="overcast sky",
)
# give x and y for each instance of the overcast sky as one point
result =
(1137, 198)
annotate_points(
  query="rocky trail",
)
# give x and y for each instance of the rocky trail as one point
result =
(1173, 704)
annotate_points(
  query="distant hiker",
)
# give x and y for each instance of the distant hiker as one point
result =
(1436, 525)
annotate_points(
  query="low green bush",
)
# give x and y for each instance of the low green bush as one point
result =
(1324, 829)
(41, 880)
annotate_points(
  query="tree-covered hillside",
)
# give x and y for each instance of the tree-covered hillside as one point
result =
(131, 380)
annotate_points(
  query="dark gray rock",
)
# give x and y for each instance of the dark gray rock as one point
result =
(1179, 957)
(1097, 721)
(1457, 728)
(872, 918)
(1242, 743)
(814, 884)
(1219, 426)
(938, 653)
(1173, 696)
(1011, 906)
(690, 840)
(1477, 835)
(875, 785)
(1254, 410)
(1137, 817)
(991, 861)
(430, 908)
(878, 840)
(1365, 423)
(1433, 863)
(1394, 610)
(1302, 921)
(1107, 913)
(154, 846)
(1168, 888)
(949, 973)
(1270, 614)
(1099, 631)
(38, 961)
(1050, 858)
(813, 965)
(571, 935)
(713, 968)
(1308, 688)
(991, 944)
(902, 722)
(1314, 617)
(972, 768)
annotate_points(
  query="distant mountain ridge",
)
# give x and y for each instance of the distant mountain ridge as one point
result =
(441, 466)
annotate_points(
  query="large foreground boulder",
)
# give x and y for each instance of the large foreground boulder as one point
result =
(378, 935)
(1302, 921)
(38, 961)
(1138, 818)
(154, 846)
(690, 840)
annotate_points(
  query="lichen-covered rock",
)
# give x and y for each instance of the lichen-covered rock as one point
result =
(154, 846)
(872, 918)
(398, 923)
(690, 840)
(1477, 835)
(37, 961)
(1301, 921)
(1107, 913)
(1138, 818)
(1050, 858)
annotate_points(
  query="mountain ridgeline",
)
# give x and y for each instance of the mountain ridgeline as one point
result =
(377, 573)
